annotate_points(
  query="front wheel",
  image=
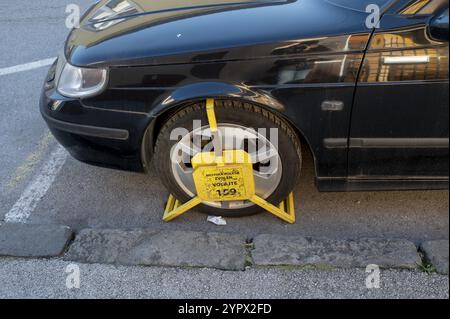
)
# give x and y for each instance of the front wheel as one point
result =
(272, 144)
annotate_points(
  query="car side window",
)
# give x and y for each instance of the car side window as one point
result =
(424, 7)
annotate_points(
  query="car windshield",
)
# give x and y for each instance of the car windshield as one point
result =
(359, 5)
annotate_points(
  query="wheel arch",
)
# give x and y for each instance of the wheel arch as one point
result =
(190, 94)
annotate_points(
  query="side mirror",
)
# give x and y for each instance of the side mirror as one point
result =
(438, 26)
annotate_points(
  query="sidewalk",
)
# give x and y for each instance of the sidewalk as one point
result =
(21, 278)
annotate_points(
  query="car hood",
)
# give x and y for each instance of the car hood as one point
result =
(142, 32)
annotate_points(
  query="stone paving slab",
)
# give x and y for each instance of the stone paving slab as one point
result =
(30, 240)
(168, 248)
(436, 253)
(277, 250)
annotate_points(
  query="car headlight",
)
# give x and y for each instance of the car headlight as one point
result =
(81, 82)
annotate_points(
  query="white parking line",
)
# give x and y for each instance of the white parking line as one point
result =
(41, 183)
(26, 66)
(39, 186)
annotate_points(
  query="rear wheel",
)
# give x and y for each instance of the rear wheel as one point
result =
(273, 146)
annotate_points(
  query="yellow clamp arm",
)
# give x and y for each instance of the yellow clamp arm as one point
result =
(211, 115)
(173, 208)
(286, 211)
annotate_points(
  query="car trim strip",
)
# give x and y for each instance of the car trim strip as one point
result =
(335, 142)
(399, 142)
(87, 130)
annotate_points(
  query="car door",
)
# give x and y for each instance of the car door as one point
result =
(400, 119)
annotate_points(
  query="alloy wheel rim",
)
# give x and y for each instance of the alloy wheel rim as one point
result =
(267, 165)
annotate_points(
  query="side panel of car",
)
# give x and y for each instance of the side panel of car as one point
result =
(313, 91)
(400, 128)
(392, 129)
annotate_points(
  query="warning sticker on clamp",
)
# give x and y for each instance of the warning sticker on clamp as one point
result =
(221, 183)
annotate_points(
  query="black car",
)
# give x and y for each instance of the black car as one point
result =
(364, 85)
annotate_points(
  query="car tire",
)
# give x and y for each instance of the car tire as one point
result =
(239, 113)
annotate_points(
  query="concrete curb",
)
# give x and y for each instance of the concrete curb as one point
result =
(149, 248)
(215, 250)
(275, 250)
(30, 240)
(436, 253)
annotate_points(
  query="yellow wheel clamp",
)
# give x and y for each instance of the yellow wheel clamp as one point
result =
(225, 176)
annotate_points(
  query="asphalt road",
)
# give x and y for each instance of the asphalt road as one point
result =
(47, 279)
(83, 196)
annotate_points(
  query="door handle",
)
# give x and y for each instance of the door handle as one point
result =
(413, 59)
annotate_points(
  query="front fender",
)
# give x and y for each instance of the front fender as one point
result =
(197, 91)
